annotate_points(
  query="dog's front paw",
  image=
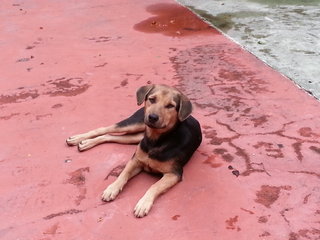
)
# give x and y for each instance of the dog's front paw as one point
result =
(75, 140)
(86, 144)
(143, 207)
(111, 192)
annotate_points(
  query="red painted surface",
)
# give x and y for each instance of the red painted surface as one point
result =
(70, 66)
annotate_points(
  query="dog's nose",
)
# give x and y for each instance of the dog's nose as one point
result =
(153, 118)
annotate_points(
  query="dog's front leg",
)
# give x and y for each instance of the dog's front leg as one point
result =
(132, 168)
(164, 184)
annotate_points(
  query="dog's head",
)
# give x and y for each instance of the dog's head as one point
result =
(164, 106)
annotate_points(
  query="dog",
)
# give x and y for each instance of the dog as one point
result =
(167, 136)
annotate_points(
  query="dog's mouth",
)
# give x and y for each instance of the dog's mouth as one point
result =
(154, 125)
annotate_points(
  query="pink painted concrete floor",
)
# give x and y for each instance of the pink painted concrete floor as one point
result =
(71, 66)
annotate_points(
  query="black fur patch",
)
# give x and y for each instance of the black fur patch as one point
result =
(136, 118)
(178, 144)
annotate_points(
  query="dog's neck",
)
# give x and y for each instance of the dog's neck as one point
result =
(153, 134)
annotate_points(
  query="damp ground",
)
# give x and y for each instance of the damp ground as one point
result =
(284, 34)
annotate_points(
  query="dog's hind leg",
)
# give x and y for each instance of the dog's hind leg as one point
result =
(133, 124)
(124, 139)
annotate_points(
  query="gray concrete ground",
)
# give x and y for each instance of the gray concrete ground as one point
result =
(284, 33)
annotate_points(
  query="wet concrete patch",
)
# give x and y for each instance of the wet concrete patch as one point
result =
(19, 95)
(231, 224)
(78, 179)
(173, 20)
(176, 217)
(212, 161)
(225, 21)
(267, 195)
(7, 117)
(67, 212)
(129, 78)
(58, 87)
(226, 94)
(228, 91)
(115, 172)
(66, 87)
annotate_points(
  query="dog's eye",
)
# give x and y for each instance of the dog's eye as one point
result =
(170, 106)
(152, 100)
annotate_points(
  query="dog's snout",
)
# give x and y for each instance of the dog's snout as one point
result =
(153, 118)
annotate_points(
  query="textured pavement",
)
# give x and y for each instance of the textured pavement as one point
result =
(284, 34)
(70, 66)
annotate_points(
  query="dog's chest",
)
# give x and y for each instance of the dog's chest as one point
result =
(153, 165)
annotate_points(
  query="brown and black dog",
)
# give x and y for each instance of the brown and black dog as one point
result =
(167, 136)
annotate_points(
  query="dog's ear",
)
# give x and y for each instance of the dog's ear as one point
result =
(143, 92)
(185, 108)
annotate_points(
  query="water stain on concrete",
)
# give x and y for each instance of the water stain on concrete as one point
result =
(78, 179)
(115, 172)
(265, 234)
(124, 83)
(247, 211)
(173, 20)
(297, 149)
(101, 65)
(267, 195)
(225, 21)
(212, 162)
(306, 172)
(315, 149)
(259, 120)
(100, 39)
(231, 223)
(129, 77)
(224, 154)
(67, 212)
(39, 117)
(58, 105)
(7, 117)
(263, 219)
(58, 87)
(176, 217)
(271, 149)
(312, 233)
(221, 21)
(66, 87)
(19, 96)
(226, 90)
